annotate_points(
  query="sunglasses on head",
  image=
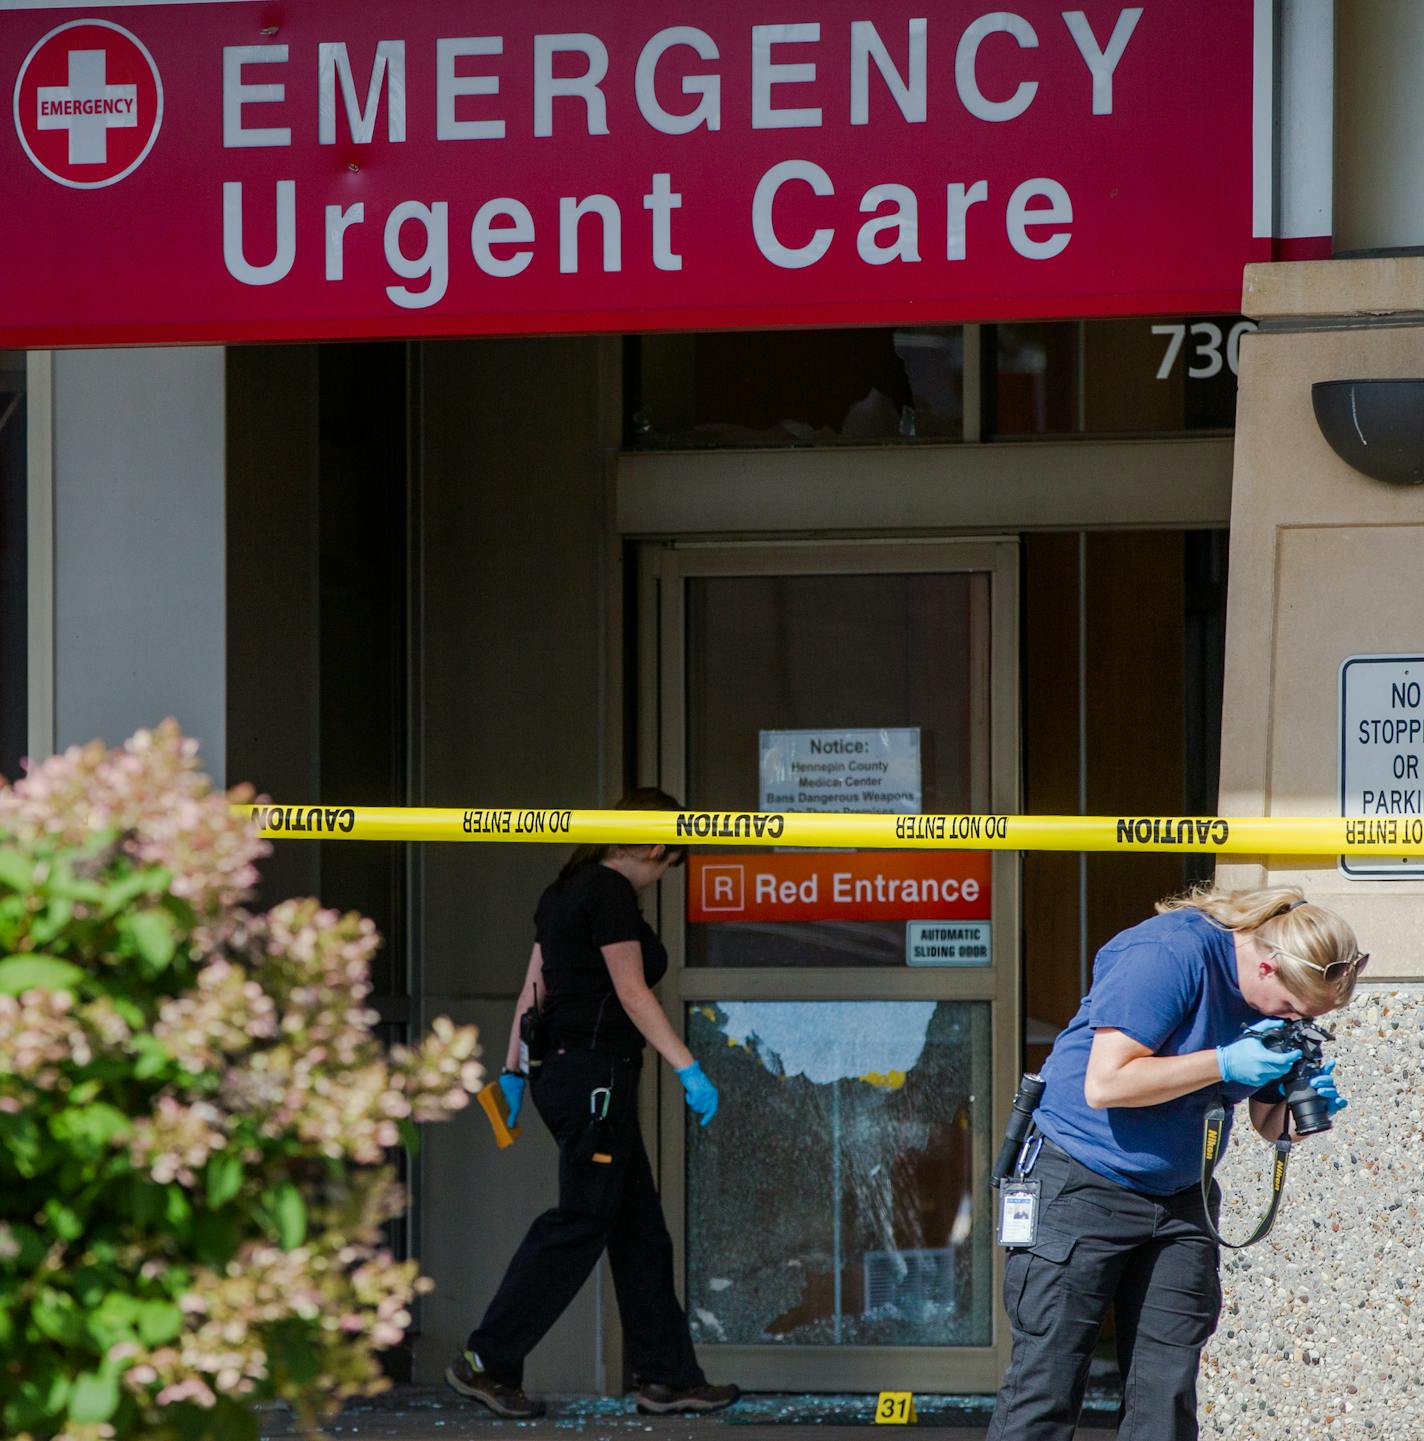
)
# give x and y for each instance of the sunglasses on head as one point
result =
(1335, 971)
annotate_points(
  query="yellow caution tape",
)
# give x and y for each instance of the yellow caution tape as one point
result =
(1251, 835)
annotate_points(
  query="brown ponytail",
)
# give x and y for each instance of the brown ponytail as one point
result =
(642, 798)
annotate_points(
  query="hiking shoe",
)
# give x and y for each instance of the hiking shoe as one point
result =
(657, 1400)
(465, 1375)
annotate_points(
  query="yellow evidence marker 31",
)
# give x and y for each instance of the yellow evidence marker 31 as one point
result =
(895, 1408)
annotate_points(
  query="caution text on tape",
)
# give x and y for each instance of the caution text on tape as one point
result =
(1248, 835)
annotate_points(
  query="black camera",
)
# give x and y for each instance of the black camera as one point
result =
(1308, 1108)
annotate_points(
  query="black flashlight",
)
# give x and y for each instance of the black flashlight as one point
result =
(1026, 1099)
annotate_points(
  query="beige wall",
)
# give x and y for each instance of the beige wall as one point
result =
(1325, 564)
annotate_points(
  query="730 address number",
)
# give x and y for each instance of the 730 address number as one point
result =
(1212, 347)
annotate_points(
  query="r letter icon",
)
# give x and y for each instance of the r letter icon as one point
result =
(724, 888)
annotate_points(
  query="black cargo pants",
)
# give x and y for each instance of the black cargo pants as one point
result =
(1099, 1243)
(602, 1204)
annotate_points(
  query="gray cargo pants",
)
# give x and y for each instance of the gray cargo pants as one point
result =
(1099, 1243)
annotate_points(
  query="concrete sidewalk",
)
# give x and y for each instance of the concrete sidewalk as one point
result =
(422, 1414)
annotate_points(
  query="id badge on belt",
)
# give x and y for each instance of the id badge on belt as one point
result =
(1018, 1213)
(1018, 1199)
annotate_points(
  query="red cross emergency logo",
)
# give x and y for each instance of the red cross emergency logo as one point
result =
(88, 104)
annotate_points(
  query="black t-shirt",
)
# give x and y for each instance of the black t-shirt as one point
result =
(594, 907)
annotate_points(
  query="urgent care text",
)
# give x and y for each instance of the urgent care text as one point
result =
(782, 64)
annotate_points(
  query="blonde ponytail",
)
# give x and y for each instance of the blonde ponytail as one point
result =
(1289, 926)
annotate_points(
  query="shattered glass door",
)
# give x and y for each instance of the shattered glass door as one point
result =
(834, 1222)
(836, 1201)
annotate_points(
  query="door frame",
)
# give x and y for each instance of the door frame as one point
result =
(663, 570)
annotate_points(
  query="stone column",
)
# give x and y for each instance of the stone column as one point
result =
(1319, 1336)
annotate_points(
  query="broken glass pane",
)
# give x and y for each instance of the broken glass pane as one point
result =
(841, 1195)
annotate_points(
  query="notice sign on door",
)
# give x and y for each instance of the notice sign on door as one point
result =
(876, 771)
(840, 886)
(1381, 760)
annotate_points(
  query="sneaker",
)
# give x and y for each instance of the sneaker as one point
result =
(465, 1375)
(655, 1399)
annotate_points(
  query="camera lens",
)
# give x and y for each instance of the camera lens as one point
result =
(1309, 1111)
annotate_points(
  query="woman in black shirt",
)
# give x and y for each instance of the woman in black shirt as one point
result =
(590, 978)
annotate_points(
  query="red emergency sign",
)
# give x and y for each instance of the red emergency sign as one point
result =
(238, 171)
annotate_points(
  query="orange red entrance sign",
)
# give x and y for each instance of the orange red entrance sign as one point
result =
(840, 886)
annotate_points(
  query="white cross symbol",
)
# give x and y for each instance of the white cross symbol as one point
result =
(87, 107)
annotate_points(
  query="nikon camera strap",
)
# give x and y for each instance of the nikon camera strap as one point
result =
(1212, 1133)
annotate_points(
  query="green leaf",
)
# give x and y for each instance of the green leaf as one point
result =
(153, 937)
(95, 1397)
(158, 1322)
(36, 972)
(39, 1399)
(114, 1320)
(289, 1213)
(17, 872)
(227, 1421)
(88, 1285)
(153, 1058)
(28, 1149)
(224, 1178)
(90, 1128)
(51, 921)
(55, 1316)
(293, 1357)
(141, 1200)
(63, 884)
(64, 1220)
(215, 1239)
(14, 918)
(177, 1211)
(123, 893)
(32, 1247)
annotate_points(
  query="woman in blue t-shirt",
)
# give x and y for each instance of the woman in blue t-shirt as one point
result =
(1171, 1025)
(591, 972)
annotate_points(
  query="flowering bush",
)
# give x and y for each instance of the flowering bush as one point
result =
(194, 1116)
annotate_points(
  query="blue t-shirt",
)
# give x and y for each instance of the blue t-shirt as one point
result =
(1169, 983)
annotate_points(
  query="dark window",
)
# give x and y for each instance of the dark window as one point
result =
(795, 387)
(361, 629)
(1112, 377)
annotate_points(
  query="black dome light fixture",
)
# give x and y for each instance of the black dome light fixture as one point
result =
(1374, 426)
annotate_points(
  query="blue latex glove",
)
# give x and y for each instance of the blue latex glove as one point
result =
(1248, 1063)
(513, 1088)
(701, 1093)
(1324, 1083)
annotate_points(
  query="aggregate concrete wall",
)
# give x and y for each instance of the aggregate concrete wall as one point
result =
(1319, 1335)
